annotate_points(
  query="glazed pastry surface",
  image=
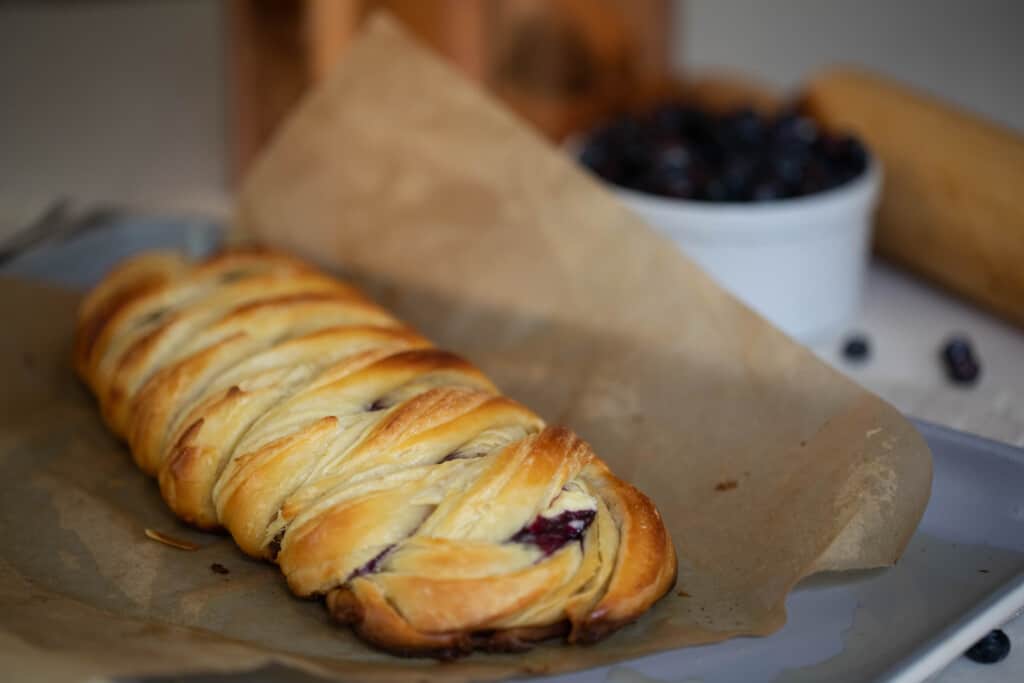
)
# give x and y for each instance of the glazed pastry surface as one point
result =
(432, 513)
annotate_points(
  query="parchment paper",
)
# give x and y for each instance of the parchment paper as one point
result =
(766, 464)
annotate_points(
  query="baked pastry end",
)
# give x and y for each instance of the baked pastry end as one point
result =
(435, 515)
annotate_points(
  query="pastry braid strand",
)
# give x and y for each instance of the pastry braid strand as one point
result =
(434, 515)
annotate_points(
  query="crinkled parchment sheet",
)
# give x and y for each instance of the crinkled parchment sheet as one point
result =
(766, 464)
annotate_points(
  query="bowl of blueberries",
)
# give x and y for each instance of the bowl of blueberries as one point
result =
(774, 208)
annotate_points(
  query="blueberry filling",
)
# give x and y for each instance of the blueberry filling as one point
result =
(275, 545)
(372, 565)
(551, 533)
(379, 404)
(547, 533)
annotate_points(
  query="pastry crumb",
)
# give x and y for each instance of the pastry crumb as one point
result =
(683, 594)
(161, 537)
(218, 568)
(726, 485)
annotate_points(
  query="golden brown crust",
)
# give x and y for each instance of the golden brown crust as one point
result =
(645, 565)
(435, 515)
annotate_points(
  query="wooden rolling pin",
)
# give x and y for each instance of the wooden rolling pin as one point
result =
(953, 199)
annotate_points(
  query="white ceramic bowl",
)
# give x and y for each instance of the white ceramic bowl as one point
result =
(799, 262)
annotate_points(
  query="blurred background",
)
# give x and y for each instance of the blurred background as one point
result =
(163, 101)
(163, 104)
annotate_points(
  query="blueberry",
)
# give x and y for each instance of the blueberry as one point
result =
(856, 348)
(805, 130)
(737, 132)
(709, 151)
(962, 367)
(602, 153)
(746, 127)
(738, 177)
(667, 120)
(788, 167)
(669, 181)
(675, 120)
(795, 128)
(673, 154)
(844, 158)
(634, 165)
(991, 649)
(620, 152)
(372, 565)
(850, 153)
(715, 190)
(669, 173)
(768, 190)
(695, 123)
(699, 174)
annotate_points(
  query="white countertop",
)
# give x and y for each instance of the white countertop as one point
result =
(907, 321)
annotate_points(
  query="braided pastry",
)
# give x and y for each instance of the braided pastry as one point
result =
(434, 514)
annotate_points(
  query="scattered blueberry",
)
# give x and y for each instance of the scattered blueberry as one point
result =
(856, 348)
(682, 152)
(991, 649)
(962, 366)
(738, 176)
